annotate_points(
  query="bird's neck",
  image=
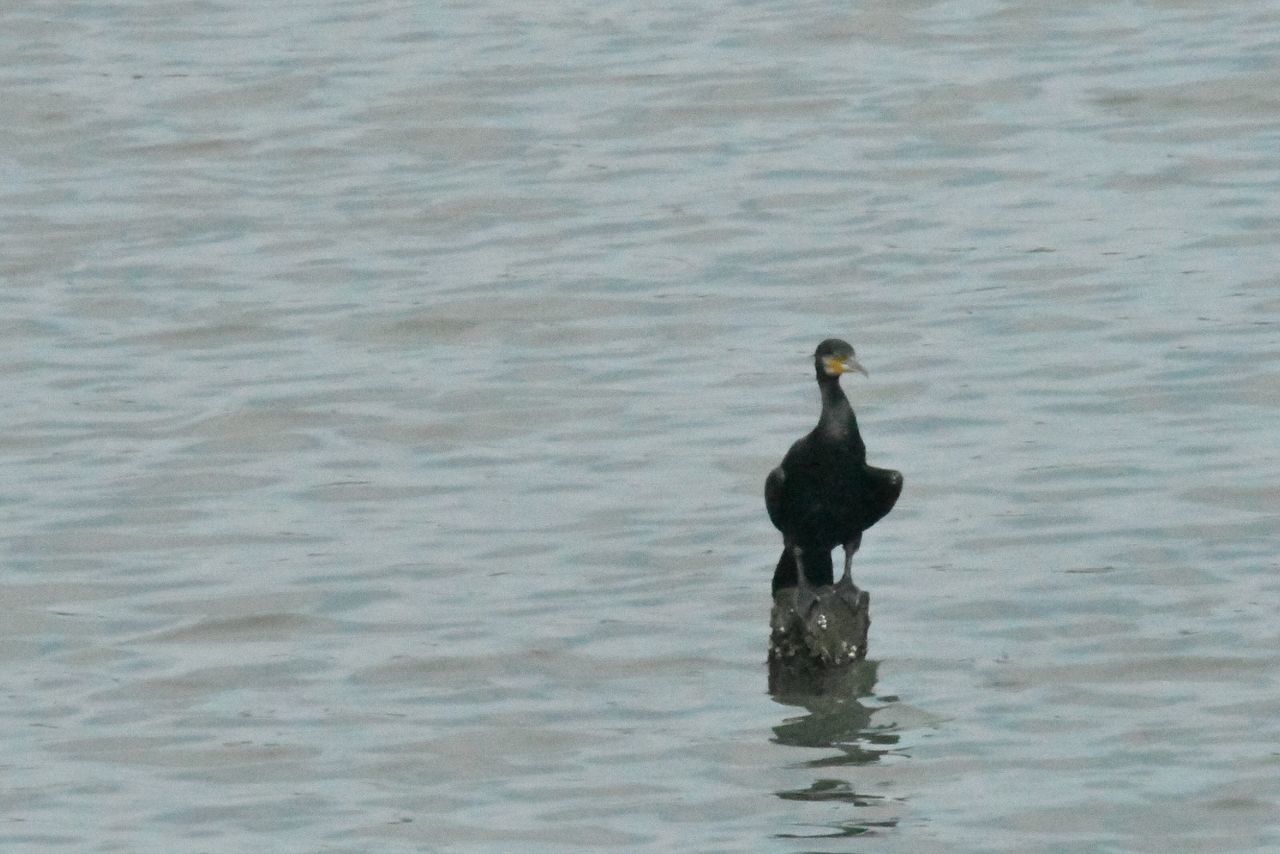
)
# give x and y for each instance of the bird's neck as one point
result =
(838, 420)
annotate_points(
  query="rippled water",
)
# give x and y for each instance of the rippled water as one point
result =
(389, 390)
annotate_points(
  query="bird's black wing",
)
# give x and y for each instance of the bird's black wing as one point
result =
(774, 486)
(884, 487)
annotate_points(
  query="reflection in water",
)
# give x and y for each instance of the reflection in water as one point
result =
(841, 830)
(836, 719)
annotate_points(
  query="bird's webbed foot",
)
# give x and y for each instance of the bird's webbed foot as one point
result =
(852, 598)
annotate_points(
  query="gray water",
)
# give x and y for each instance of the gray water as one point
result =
(389, 390)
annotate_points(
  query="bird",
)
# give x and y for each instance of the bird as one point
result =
(823, 494)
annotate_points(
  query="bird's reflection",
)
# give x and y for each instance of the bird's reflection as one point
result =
(836, 718)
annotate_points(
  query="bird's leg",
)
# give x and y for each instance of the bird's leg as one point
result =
(802, 580)
(805, 597)
(849, 549)
(846, 591)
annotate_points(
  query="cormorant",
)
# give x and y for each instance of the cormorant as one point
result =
(824, 494)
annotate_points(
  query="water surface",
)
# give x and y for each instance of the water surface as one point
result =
(389, 391)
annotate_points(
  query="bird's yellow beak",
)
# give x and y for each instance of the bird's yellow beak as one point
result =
(836, 366)
(852, 364)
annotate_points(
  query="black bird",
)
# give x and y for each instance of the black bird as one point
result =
(824, 494)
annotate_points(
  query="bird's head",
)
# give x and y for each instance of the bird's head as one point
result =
(835, 357)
